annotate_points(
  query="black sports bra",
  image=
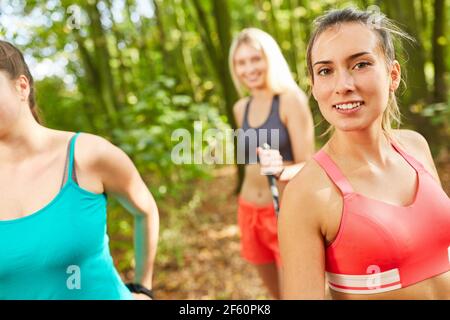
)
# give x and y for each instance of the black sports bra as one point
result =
(272, 131)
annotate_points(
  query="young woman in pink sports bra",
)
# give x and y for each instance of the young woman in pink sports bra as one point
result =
(367, 217)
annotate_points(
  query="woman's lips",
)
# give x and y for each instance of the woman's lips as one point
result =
(253, 79)
(349, 111)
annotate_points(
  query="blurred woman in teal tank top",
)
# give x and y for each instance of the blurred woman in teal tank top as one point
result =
(53, 186)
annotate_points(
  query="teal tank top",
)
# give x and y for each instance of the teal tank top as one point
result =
(60, 251)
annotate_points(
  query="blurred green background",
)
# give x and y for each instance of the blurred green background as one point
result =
(133, 71)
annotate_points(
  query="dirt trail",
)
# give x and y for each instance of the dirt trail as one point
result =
(213, 266)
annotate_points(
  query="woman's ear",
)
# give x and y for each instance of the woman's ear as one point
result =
(23, 87)
(395, 75)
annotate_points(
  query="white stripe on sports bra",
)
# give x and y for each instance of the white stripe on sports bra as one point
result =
(366, 283)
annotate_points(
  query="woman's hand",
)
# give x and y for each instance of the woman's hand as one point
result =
(271, 161)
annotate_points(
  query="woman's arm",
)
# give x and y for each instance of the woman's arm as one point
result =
(121, 179)
(239, 110)
(301, 241)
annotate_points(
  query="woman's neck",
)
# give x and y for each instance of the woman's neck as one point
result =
(21, 139)
(361, 146)
(261, 93)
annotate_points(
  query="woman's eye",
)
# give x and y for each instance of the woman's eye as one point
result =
(361, 65)
(323, 72)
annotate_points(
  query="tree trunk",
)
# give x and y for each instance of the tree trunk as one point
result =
(223, 24)
(102, 59)
(439, 49)
(219, 58)
(423, 14)
(161, 37)
(416, 92)
(417, 87)
(273, 16)
(296, 43)
(186, 63)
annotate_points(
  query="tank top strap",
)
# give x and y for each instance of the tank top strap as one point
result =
(412, 161)
(274, 116)
(245, 124)
(71, 169)
(275, 105)
(333, 172)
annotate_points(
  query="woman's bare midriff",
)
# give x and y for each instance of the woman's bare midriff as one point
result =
(255, 188)
(435, 288)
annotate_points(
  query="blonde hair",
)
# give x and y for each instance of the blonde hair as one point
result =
(279, 77)
(386, 32)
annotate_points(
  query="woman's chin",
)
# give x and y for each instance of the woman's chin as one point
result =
(256, 85)
(350, 127)
(358, 124)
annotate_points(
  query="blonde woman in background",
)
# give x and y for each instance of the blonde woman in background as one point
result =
(275, 110)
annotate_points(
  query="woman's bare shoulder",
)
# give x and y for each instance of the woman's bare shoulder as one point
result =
(239, 106)
(410, 139)
(293, 99)
(239, 109)
(414, 144)
(89, 149)
(312, 192)
(95, 148)
(294, 94)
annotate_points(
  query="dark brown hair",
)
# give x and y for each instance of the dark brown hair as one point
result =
(13, 63)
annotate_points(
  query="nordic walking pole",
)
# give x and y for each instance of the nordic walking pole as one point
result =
(273, 187)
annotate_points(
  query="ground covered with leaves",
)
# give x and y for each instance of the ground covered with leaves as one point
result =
(211, 266)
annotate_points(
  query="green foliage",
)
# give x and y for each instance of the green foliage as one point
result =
(61, 109)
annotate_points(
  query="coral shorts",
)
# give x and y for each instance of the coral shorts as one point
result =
(259, 237)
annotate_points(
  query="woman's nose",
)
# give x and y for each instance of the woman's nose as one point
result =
(344, 82)
(250, 67)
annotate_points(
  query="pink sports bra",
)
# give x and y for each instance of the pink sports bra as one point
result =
(382, 247)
